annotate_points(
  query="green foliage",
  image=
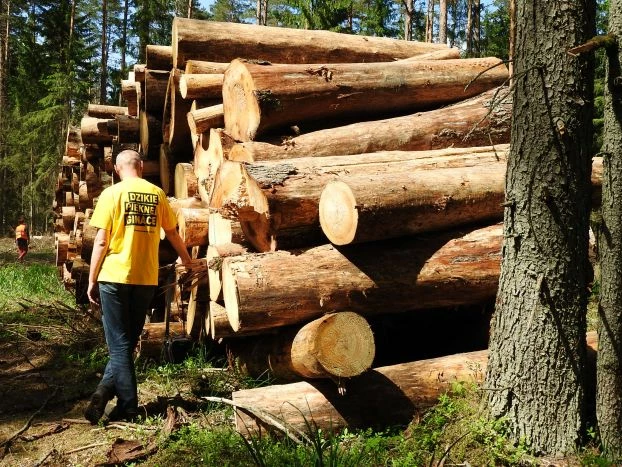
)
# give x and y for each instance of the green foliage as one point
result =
(495, 27)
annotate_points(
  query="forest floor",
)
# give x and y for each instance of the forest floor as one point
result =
(51, 357)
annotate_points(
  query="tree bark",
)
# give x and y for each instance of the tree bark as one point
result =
(193, 226)
(480, 121)
(159, 57)
(260, 97)
(175, 112)
(442, 22)
(609, 235)
(223, 42)
(203, 120)
(429, 22)
(156, 88)
(152, 339)
(105, 111)
(198, 308)
(96, 130)
(203, 86)
(104, 54)
(264, 291)
(185, 181)
(204, 67)
(544, 281)
(130, 90)
(409, 12)
(150, 131)
(128, 129)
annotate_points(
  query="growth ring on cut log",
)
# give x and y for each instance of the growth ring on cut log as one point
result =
(338, 213)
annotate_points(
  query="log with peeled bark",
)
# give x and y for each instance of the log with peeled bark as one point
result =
(195, 136)
(337, 345)
(128, 129)
(96, 130)
(105, 111)
(132, 94)
(167, 165)
(224, 231)
(193, 226)
(139, 72)
(73, 143)
(80, 274)
(150, 131)
(442, 54)
(61, 246)
(176, 109)
(92, 153)
(159, 57)
(198, 308)
(479, 121)
(386, 396)
(151, 344)
(260, 97)
(263, 291)
(277, 202)
(156, 88)
(202, 120)
(219, 327)
(69, 216)
(223, 42)
(214, 257)
(201, 86)
(191, 203)
(202, 67)
(185, 181)
(207, 161)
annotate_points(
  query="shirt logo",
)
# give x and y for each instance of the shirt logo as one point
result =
(140, 210)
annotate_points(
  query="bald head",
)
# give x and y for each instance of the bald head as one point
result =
(128, 164)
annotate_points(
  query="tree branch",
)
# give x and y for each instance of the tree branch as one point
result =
(594, 43)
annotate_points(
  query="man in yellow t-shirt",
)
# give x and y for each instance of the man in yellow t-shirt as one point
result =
(124, 270)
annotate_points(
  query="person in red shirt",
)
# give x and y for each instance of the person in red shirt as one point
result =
(22, 238)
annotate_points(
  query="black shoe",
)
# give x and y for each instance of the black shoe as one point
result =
(117, 415)
(97, 405)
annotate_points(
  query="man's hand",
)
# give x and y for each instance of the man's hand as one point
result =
(93, 293)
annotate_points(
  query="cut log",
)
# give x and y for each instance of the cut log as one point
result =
(223, 42)
(338, 345)
(159, 57)
(61, 246)
(202, 120)
(386, 396)
(96, 130)
(92, 153)
(131, 91)
(202, 67)
(167, 171)
(280, 288)
(219, 322)
(260, 97)
(105, 111)
(156, 88)
(214, 256)
(175, 112)
(139, 72)
(88, 240)
(80, 274)
(277, 202)
(69, 217)
(193, 226)
(223, 231)
(190, 203)
(201, 86)
(185, 181)
(150, 131)
(211, 122)
(207, 162)
(479, 121)
(198, 308)
(442, 54)
(128, 129)
(73, 143)
(152, 339)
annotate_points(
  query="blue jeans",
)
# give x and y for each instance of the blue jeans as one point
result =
(124, 307)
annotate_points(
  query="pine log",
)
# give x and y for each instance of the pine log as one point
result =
(214, 258)
(156, 88)
(442, 54)
(203, 67)
(150, 131)
(132, 94)
(69, 216)
(73, 143)
(80, 274)
(190, 203)
(280, 288)
(185, 181)
(78, 221)
(88, 240)
(337, 345)
(277, 202)
(159, 57)
(198, 308)
(224, 231)
(175, 112)
(85, 197)
(75, 183)
(152, 339)
(96, 130)
(260, 97)
(196, 134)
(167, 165)
(479, 121)
(386, 396)
(219, 322)
(92, 153)
(202, 120)
(61, 246)
(223, 42)
(139, 72)
(128, 129)
(201, 86)
(207, 161)
(193, 226)
(105, 111)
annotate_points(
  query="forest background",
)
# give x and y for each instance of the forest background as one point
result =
(56, 56)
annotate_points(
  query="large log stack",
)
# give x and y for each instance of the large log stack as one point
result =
(278, 142)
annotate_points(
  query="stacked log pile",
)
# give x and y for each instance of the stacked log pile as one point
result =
(322, 179)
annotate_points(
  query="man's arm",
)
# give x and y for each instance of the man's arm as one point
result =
(100, 247)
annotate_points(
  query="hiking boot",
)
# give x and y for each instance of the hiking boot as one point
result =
(97, 405)
(118, 415)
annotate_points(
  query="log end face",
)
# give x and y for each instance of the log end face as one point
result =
(230, 295)
(338, 213)
(240, 104)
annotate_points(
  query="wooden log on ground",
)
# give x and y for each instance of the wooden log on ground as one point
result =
(442, 54)
(159, 57)
(278, 289)
(185, 181)
(96, 130)
(386, 396)
(128, 129)
(223, 42)
(152, 339)
(202, 120)
(105, 111)
(201, 86)
(73, 143)
(337, 345)
(156, 88)
(257, 97)
(88, 240)
(150, 131)
(479, 121)
(277, 202)
(193, 226)
(132, 94)
(203, 67)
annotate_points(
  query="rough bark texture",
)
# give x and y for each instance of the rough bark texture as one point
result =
(258, 97)
(185, 181)
(476, 122)
(105, 111)
(193, 226)
(159, 57)
(538, 385)
(223, 42)
(199, 67)
(203, 120)
(609, 232)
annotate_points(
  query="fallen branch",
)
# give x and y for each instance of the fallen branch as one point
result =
(44, 458)
(84, 448)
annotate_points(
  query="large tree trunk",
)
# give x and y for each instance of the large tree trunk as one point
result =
(609, 232)
(544, 282)
(476, 122)
(223, 42)
(260, 97)
(429, 22)
(409, 12)
(383, 397)
(264, 291)
(442, 22)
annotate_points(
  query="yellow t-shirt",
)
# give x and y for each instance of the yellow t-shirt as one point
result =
(132, 211)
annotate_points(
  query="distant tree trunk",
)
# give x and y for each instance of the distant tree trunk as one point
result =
(409, 12)
(539, 385)
(512, 46)
(104, 54)
(442, 22)
(262, 12)
(429, 22)
(4, 39)
(609, 235)
(189, 9)
(124, 42)
(476, 27)
(469, 29)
